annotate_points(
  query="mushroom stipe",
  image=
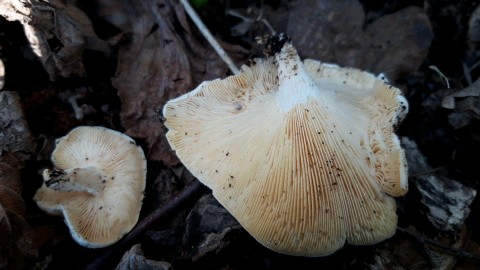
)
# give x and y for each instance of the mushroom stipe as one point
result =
(302, 154)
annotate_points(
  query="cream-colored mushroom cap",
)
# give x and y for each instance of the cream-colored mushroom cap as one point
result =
(303, 154)
(97, 184)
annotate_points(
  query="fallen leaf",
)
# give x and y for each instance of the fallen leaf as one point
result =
(473, 249)
(442, 250)
(473, 90)
(465, 105)
(16, 235)
(207, 225)
(447, 200)
(161, 59)
(58, 32)
(335, 31)
(134, 259)
(15, 135)
(400, 253)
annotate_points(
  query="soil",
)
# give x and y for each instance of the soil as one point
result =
(450, 149)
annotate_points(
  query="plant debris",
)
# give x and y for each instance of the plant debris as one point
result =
(134, 259)
(14, 135)
(17, 238)
(16, 235)
(465, 105)
(115, 64)
(448, 200)
(154, 65)
(58, 33)
(207, 225)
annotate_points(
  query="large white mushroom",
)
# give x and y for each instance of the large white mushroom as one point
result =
(97, 184)
(303, 154)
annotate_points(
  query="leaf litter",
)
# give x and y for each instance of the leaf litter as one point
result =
(18, 246)
(158, 54)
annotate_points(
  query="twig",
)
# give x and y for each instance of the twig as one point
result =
(206, 33)
(441, 74)
(426, 172)
(269, 26)
(116, 251)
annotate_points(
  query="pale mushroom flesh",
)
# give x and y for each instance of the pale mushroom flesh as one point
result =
(97, 184)
(303, 154)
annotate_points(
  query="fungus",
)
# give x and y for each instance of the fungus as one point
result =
(97, 184)
(302, 154)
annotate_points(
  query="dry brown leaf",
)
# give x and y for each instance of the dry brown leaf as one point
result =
(448, 201)
(16, 235)
(58, 32)
(162, 59)
(334, 31)
(473, 90)
(15, 135)
(465, 105)
(207, 225)
(134, 259)
(400, 253)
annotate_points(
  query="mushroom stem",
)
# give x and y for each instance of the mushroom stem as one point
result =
(295, 85)
(89, 179)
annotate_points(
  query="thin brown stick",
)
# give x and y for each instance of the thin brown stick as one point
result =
(115, 252)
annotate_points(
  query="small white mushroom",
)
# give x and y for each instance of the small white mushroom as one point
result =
(97, 184)
(303, 154)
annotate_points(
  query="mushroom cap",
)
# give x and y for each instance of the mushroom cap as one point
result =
(98, 220)
(302, 154)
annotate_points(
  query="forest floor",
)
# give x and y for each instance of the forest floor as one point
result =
(115, 64)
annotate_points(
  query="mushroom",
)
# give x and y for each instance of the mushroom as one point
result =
(97, 184)
(302, 154)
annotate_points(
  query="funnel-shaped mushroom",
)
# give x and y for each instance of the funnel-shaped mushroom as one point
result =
(303, 154)
(97, 185)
